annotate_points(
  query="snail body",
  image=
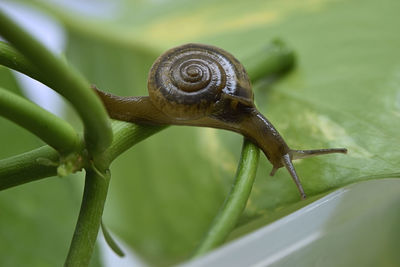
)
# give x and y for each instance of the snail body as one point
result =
(202, 85)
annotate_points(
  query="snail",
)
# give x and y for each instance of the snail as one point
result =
(202, 85)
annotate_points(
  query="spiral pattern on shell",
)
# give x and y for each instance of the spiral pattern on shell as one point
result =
(186, 82)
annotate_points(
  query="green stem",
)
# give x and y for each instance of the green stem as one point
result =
(126, 135)
(110, 241)
(27, 167)
(51, 129)
(41, 163)
(13, 59)
(235, 201)
(64, 80)
(88, 224)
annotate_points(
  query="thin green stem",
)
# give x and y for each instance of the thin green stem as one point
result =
(111, 242)
(28, 167)
(126, 135)
(64, 80)
(88, 224)
(235, 201)
(13, 59)
(51, 129)
(95, 193)
(43, 162)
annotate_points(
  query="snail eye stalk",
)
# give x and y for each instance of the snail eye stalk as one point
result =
(301, 154)
(287, 162)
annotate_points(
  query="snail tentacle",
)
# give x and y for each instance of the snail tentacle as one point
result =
(287, 161)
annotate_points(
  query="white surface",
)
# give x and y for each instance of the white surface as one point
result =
(255, 249)
(353, 226)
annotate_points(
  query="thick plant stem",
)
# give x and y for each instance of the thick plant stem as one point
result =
(126, 135)
(27, 167)
(235, 201)
(43, 162)
(89, 220)
(64, 80)
(51, 129)
(13, 59)
(95, 193)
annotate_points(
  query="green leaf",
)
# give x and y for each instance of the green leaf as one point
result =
(344, 93)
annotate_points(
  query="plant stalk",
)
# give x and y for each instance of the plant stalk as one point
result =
(89, 220)
(13, 59)
(51, 129)
(27, 167)
(236, 200)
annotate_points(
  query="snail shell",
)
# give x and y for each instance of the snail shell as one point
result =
(187, 81)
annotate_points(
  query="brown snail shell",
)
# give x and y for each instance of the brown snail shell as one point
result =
(187, 81)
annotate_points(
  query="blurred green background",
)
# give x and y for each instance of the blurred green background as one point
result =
(344, 92)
